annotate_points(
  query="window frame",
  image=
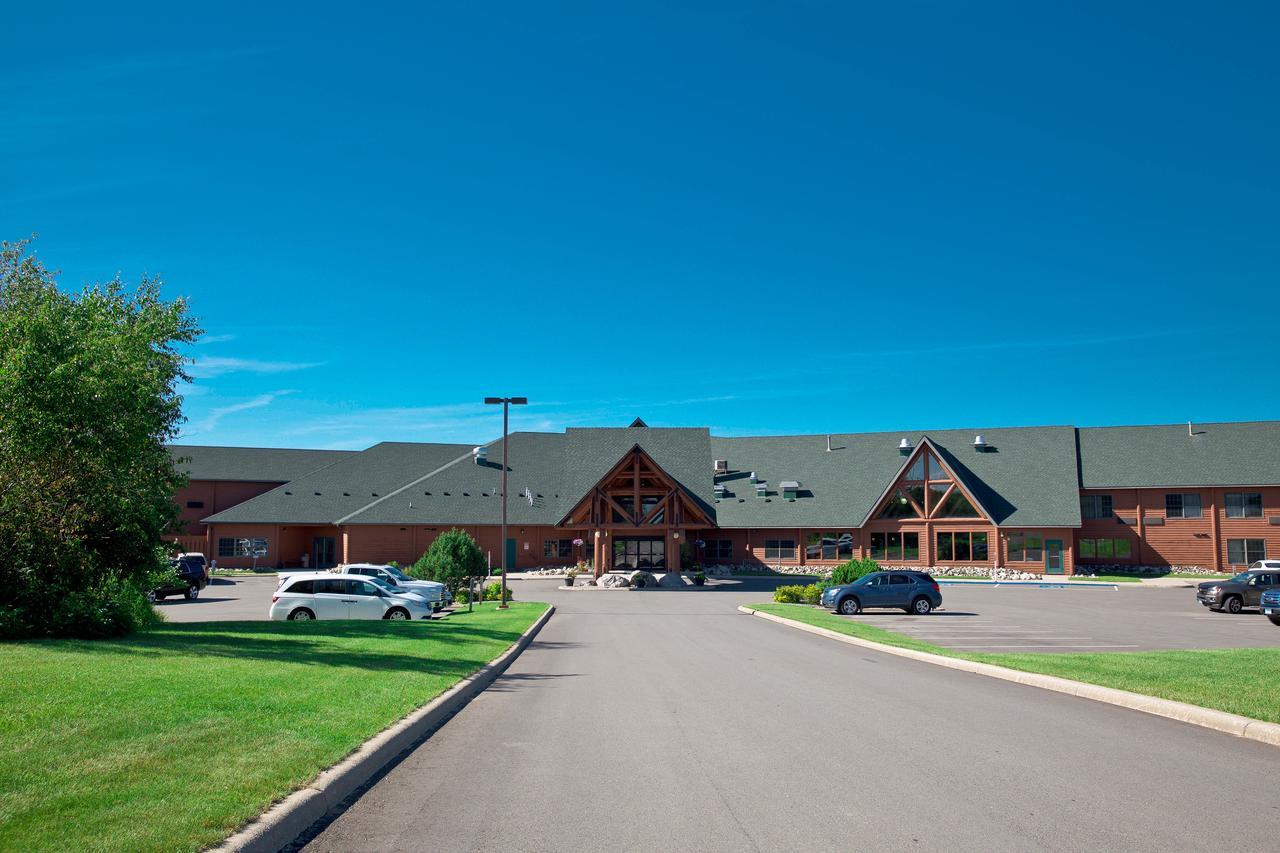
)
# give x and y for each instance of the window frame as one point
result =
(1182, 505)
(774, 550)
(1250, 556)
(1097, 502)
(237, 551)
(1245, 504)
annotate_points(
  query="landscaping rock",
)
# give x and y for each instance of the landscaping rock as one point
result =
(643, 579)
(612, 581)
(671, 580)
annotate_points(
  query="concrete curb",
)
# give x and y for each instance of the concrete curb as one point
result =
(1233, 724)
(289, 818)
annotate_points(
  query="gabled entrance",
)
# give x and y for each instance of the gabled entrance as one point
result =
(637, 515)
(926, 488)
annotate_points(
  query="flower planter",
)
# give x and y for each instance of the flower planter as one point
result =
(568, 581)
(699, 581)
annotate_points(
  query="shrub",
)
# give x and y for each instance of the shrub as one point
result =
(852, 570)
(493, 592)
(112, 609)
(789, 594)
(452, 558)
(811, 594)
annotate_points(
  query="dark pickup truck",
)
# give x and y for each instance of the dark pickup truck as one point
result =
(1236, 593)
(1271, 605)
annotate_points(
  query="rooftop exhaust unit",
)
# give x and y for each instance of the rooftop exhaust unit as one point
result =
(754, 479)
(905, 447)
(722, 466)
(479, 455)
(762, 488)
(828, 444)
(789, 489)
(979, 444)
(719, 490)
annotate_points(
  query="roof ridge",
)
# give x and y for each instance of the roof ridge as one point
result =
(411, 484)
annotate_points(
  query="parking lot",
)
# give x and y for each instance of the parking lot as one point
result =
(977, 618)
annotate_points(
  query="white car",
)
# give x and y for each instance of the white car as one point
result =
(325, 595)
(430, 590)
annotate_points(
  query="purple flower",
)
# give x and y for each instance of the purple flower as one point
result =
(578, 542)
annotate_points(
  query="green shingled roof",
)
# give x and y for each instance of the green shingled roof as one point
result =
(1029, 476)
(251, 464)
(1233, 454)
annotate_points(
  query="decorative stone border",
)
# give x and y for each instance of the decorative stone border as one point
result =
(1232, 724)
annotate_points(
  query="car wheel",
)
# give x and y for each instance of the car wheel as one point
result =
(192, 593)
(1233, 604)
(849, 606)
(921, 606)
(302, 614)
(398, 613)
(154, 596)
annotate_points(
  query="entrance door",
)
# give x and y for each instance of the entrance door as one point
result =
(323, 552)
(511, 554)
(1053, 556)
(640, 552)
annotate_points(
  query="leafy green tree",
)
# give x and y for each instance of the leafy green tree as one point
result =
(852, 570)
(88, 399)
(452, 558)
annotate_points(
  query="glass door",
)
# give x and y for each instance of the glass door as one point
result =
(1053, 556)
(648, 553)
(324, 551)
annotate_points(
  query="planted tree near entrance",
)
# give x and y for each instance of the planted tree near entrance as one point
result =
(453, 558)
(88, 400)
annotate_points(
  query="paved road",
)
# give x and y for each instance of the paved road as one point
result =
(980, 617)
(667, 721)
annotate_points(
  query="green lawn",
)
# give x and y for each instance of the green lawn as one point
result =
(171, 738)
(1239, 681)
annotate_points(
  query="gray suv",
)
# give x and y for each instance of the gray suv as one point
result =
(914, 592)
(1243, 590)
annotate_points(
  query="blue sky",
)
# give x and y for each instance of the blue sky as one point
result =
(775, 218)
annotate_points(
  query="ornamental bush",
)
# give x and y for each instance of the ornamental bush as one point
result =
(793, 594)
(493, 592)
(452, 558)
(852, 570)
(811, 594)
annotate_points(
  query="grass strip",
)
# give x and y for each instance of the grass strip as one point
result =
(172, 738)
(1238, 681)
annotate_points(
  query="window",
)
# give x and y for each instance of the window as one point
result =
(557, 548)
(305, 587)
(828, 546)
(195, 504)
(228, 547)
(962, 547)
(895, 546)
(331, 586)
(899, 580)
(1186, 505)
(1241, 552)
(1096, 506)
(361, 588)
(956, 505)
(779, 549)
(1244, 504)
(1106, 549)
(1026, 548)
(718, 550)
(899, 506)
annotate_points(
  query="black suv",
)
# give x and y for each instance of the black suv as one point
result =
(191, 579)
(1244, 590)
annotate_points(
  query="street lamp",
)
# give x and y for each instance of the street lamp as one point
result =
(506, 402)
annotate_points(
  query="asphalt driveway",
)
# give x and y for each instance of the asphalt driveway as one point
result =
(668, 721)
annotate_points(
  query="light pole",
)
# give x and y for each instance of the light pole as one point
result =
(506, 402)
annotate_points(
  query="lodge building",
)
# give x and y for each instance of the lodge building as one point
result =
(1047, 500)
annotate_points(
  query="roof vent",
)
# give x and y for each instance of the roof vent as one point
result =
(754, 480)
(719, 490)
(828, 444)
(479, 455)
(789, 489)
(905, 447)
(979, 444)
(762, 488)
(722, 466)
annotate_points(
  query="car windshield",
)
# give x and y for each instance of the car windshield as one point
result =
(1243, 577)
(397, 574)
(864, 580)
(384, 583)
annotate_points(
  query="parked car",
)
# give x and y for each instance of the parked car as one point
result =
(325, 595)
(192, 578)
(1244, 590)
(914, 592)
(1271, 605)
(430, 590)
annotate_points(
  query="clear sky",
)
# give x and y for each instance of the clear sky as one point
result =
(783, 218)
